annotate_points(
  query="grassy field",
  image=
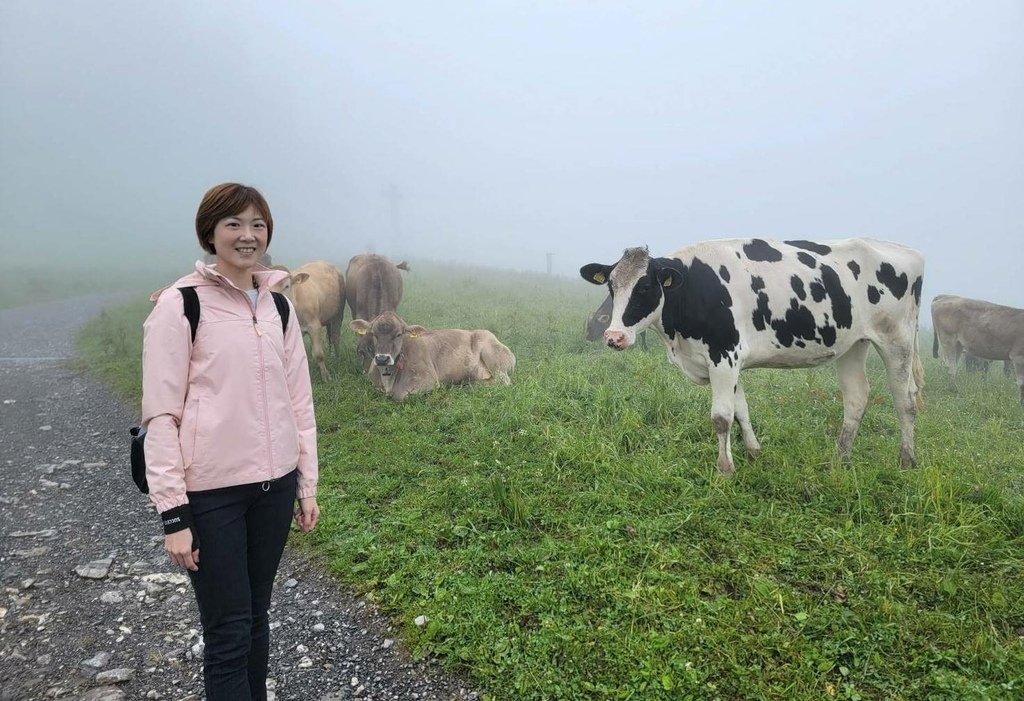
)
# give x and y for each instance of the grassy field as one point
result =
(568, 536)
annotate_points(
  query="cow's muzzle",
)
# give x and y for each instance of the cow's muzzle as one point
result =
(386, 363)
(617, 340)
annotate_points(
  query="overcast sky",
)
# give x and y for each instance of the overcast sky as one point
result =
(515, 129)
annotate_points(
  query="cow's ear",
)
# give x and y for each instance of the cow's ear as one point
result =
(360, 326)
(414, 331)
(669, 277)
(596, 273)
(299, 278)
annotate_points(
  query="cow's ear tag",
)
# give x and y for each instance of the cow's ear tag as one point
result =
(599, 278)
(361, 332)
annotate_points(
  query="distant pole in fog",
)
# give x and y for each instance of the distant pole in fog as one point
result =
(549, 262)
(394, 197)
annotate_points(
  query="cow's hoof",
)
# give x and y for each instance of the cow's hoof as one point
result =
(726, 468)
(754, 453)
(907, 460)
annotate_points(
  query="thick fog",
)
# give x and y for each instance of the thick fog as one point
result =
(500, 132)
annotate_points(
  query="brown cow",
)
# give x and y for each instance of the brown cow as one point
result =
(374, 286)
(411, 359)
(317, 290)
(982, 329)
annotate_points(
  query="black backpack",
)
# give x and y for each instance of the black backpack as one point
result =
(138, 434)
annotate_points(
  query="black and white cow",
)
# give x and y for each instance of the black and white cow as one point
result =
(597, 323)
(723, 306)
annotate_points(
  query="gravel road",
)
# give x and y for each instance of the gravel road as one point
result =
(91, 608)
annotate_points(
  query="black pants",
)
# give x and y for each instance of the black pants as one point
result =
(242, 531)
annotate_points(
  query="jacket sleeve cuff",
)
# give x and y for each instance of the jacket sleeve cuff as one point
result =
(177, 519)
(306, 491)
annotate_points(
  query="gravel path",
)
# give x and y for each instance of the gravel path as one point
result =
(91, 608)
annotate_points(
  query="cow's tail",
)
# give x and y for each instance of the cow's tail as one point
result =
(935, 344)
(918, 372)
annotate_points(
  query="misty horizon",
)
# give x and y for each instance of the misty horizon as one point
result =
(496, 134)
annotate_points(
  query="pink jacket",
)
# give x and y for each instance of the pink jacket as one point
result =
(235, 407)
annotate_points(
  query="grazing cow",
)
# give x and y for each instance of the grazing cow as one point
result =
(597, 323)
(317, 291)
(982, 329)
(723, 306)
(374, 287)
(411, 359)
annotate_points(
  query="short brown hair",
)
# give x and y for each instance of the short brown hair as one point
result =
(227, 200)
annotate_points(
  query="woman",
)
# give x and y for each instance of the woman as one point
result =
(231, 436)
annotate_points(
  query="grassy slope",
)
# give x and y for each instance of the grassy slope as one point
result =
(568, 538)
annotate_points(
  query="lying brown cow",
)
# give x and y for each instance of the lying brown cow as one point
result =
(411, 359)
(982, 329)
(374, 287)
(317, 290)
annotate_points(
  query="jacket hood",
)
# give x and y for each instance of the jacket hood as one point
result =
(206, 274)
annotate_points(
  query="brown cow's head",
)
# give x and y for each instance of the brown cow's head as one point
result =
(287, 285)
(386, 334)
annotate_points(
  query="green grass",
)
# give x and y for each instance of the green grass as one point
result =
(568, 536)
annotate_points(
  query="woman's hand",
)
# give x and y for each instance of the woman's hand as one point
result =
(179, 547)
(307, 514)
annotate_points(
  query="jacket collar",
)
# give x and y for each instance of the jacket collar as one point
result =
(207, 275)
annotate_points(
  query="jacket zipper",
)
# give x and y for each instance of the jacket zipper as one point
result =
(263, 384)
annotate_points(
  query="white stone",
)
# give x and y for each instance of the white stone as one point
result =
(111, 597)
(97, 569)
(104, 693)
(422, 620)
(173, 579)
(115, 676)
(100, 659)
(48, 533)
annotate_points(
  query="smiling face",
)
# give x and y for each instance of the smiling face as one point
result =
(239, 241)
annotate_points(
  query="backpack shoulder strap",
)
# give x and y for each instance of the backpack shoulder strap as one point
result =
(191, 299)
(281, 302)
